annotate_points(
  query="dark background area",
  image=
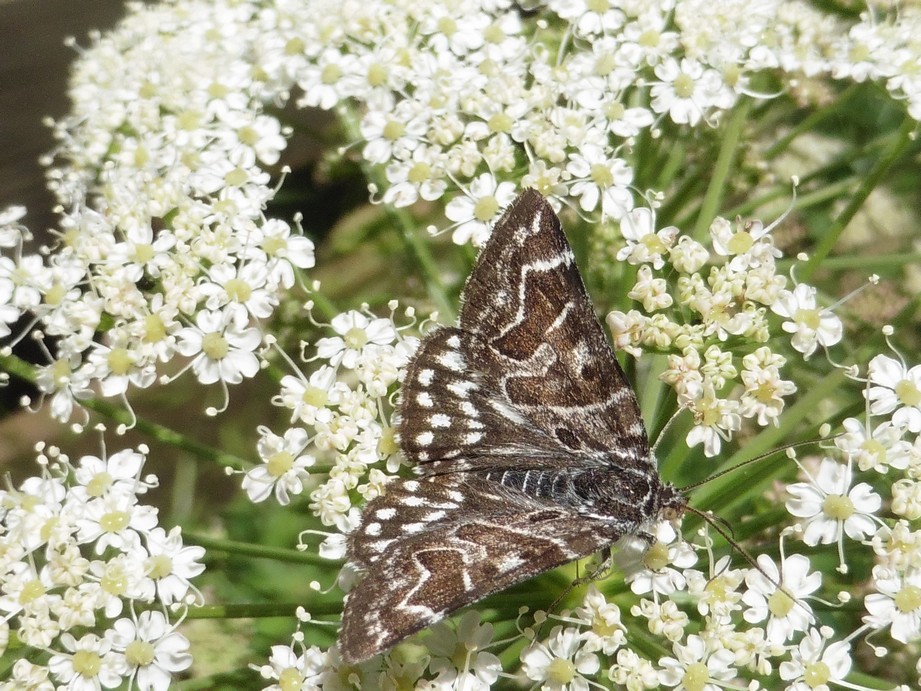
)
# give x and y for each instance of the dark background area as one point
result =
(34, 65)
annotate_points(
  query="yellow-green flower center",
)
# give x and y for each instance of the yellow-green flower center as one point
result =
(500, 122)
(31, 591)
(908, 599)
(139, 653)
(808, 317)
(601, 175)
(143, 252)
(485, 208)
(215, 346)
(290, 679)
(238, 290)
(280, 463)
(684, 86)
(393, 130)
(97, 486)
(740, 243)
(154, 329)
(315, 396)
(874, 448)
(119, 361)
(816, 674)
(159, 566)
(330, 74)
(561, 671)
(695, 676)
(114, 521)
(654, 243)
(387, 445)
(420, 172)
(355, 338)
(377, 74)
(236, 177)
(780, 603)
(447, 26)
(908, 393)
(838, 507)
(87, 663)
(656, 557)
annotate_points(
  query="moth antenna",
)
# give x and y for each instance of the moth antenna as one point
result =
(665, 429)
(756, 459)
(713, 521)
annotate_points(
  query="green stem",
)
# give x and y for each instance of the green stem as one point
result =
(732, 134)
(892, 154)
(261, 610)
(252, 550)
(119, 415)
(810, 122)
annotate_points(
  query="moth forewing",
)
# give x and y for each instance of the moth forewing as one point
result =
(527, 438)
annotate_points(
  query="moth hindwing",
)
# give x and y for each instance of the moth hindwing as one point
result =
(527, 438)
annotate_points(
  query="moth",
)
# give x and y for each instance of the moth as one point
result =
(527, 440)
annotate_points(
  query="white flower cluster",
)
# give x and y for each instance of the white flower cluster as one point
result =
(163, 161)
(720, 308)
(341, 410)
(82, 562)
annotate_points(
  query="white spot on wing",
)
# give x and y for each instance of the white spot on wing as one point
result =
(440, 420)
(452, 360)
(461, 389)
(454, 341)
(373, 529)
(385, 514)
(424, 439)
(425, 376)
(413, 528)
(424, 399)
(472, 437)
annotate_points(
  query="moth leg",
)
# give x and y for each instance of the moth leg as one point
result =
(596, 574)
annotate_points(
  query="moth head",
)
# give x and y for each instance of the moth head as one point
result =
(672, 503)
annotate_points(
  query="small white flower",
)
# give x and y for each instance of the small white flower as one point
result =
(811, 326)
(661, 564)
(605, 632)
(644, 244)
(831, 507)
(879, 449)
(896, 389)
(785, 609)
(897, 604)
(284, 466)
(171, 564)
(357, 334)
(459, 657)
(295, 671)
(814, 664)
(561, 662)
(474, 212)
(697, 666)
(221, 347)
(152, 649)
(601, 178)
(309, 399)
(89, 663)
